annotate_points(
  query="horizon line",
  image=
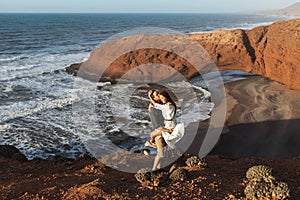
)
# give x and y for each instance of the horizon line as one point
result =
(109, 12)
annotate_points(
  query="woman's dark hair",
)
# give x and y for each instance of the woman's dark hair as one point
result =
(169, 99)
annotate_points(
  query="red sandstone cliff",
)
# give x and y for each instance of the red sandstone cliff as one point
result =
(271, 51)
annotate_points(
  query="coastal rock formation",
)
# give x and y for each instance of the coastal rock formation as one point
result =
(141, 58)
(12, 152)
(271, 51)
(73, 69)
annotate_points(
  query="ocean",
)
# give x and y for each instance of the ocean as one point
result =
(37, 95)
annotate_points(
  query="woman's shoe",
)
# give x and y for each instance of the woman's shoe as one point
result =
(146, 152)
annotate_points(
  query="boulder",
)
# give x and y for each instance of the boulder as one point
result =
(12, 152)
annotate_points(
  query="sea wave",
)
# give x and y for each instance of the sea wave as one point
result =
(25, 108)
(37, 65)
(13, 58)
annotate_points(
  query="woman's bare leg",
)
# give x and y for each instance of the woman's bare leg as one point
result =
(156, 164)
(160, 143)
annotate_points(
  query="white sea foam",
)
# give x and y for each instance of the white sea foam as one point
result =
(13, 58)
(4, 127)
(11, 69)
(38, 64)
(25, 108)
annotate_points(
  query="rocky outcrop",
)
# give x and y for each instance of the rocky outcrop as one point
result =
(271, 51)
(73, 69)
(229, 49)
(144, 58)
(12, 152)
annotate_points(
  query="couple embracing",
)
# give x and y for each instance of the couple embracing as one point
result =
(162, 110)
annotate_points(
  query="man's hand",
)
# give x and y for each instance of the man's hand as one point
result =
(150, 93)
(166, 130)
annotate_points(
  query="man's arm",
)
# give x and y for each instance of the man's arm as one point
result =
(150, 92)
(150, 107)
(166, 130)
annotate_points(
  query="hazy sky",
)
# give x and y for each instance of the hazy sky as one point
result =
(198, 6)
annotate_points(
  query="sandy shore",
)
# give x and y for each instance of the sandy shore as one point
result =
(262, 121)
(258, 99)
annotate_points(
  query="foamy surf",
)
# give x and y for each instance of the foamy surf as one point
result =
(23, 109)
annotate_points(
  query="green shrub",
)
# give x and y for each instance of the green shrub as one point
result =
(262, 184)
(144, 175)
(281, 191)
(178, 174)
(195, 161)
(259, 172)
(258, 189)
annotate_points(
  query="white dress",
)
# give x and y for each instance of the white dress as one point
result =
(168, 112)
